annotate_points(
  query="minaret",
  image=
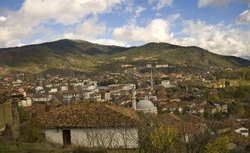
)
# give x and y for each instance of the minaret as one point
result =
(152, 86)
(133, 98)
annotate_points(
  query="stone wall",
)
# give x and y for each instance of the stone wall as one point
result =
(6, 114)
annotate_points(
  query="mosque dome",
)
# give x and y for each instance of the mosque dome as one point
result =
(145, 105)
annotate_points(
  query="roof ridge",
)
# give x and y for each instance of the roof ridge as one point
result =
(120, 112)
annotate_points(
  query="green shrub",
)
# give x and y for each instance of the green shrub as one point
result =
(31, 133)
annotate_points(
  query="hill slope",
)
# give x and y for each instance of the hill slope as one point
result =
(85, 56)
(178, 55)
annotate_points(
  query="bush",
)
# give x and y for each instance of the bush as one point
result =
(31, 133)
(218, 116)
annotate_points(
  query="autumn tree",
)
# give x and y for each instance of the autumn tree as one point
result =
(213, 98)
(219, 145)
(163, 138)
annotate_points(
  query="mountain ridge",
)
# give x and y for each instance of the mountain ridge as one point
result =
(80, 55)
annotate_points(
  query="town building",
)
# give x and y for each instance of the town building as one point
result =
(91, 125)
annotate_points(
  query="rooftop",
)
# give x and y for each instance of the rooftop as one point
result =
(89, 116)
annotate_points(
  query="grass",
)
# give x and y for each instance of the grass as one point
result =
(8, 146)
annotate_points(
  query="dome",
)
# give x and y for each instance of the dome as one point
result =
(145, 104)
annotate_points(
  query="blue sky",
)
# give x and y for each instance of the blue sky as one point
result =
(220, 26)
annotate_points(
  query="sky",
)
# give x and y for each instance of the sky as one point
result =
(220, 26)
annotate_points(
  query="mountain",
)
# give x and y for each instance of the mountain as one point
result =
(179, 55)
(78, 55)
(62, 54)
(246, 57)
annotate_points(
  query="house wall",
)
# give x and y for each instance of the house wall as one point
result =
(107, 96)
(6, 114)
(54, 135)
(105, 137)
(25, 103)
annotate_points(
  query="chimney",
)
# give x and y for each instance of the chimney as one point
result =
(133, 98)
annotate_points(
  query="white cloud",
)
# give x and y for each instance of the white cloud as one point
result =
(218, 3)
(213, 3)
(110, 42)
(173, 17)
(2, 18)
(129, 6)
(161, 3)
(244, 17)
(156, 31)
(66, 11)
(138, 10)
(22, 24)
(217, 38)
(150, 1)
(158, 14)
(90, 28)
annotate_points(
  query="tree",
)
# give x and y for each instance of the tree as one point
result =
(163, 138)
(185, 109)
(193, 137)
(234, 107)
(220, 145)
(239, 93)
(242, 111)
(213, 98)
(177, 112)
(218, 115)
(227, 83)
(31, 90)
(31, 132)
(206, 115)
(199, 114)
(23, 115)
(157, 81)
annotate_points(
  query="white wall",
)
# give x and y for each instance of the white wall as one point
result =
(104, 137)
(25, 103)
(54, 135)
(243, 131)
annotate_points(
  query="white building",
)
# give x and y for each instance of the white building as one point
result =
(40, 98)
(38, 88)
(92, 125)
(166, 84)
(53, 90)
(64, 87)
(25, 102)
(243, 131)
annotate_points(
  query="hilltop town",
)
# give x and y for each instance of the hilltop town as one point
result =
(198, 104)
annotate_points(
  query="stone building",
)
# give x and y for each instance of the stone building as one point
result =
(9, 115)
